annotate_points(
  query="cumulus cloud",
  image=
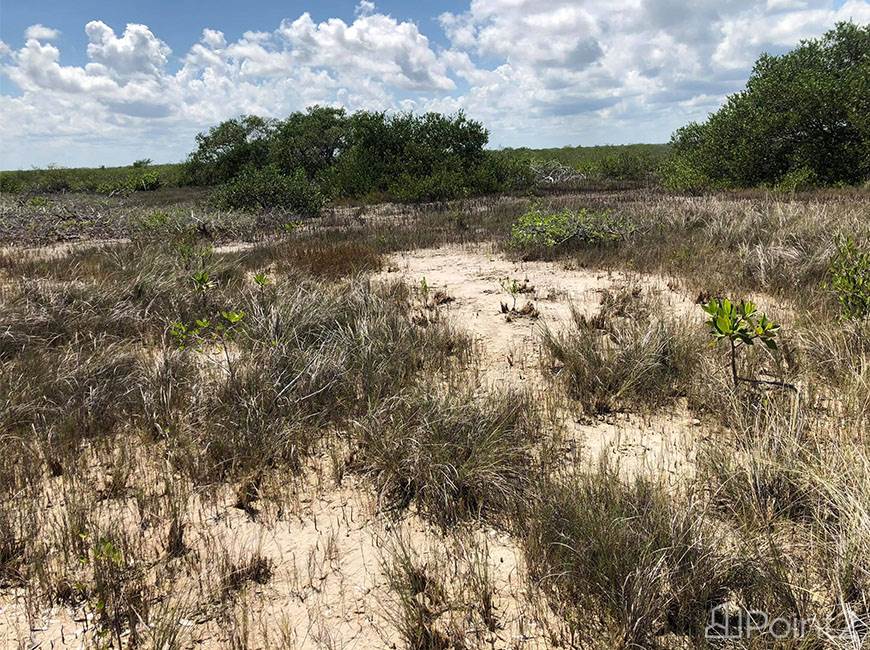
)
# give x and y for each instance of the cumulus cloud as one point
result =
(372, 46)
(40, 32)
(545, 73)
(365, 8)
(214, 38)
(136, 52)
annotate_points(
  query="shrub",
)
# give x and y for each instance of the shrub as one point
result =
(627, 166)
(267, 189)
(537, 229)
(850, 279)
(147, 182)
(801, 117)
(680, 175)
(10, 183)
(798, 180)
(441, 185)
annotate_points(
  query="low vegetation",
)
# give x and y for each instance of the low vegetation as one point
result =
(253, 415)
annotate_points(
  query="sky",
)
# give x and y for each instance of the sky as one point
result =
(91, 82)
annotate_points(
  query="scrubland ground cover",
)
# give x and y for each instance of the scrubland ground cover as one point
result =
(534, 403)
(237, 429)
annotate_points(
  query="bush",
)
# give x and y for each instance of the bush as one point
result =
(850, 280)
(680, 175)
(441, 185)
(147, 182)
(267, 189)
(10, 183)
(798, 180)
(801, 118)
(551, 230)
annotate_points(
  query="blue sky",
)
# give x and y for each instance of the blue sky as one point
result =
(179, 22)
(94, 82)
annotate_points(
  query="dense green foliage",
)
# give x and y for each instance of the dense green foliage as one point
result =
(627, 162)
(104, 180)
(850, 279)
(266, 188)
(402, 156)
(538, 231)
(802, 120)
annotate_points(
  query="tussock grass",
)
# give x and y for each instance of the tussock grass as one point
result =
(630, 354)
(441, 595)
(628, 560)
(452, 454)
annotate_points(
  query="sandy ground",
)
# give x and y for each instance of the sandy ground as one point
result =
(510, 351)
(328, 587)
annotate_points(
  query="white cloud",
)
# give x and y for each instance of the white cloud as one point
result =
(373, 46)
(546, 73)
(214, 38)
(365, 8)
(40, 32)
(136, 52)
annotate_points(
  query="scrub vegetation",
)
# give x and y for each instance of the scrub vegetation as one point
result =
(272, 410)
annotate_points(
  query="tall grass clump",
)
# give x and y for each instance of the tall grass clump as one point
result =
(451, 454)
(626, 560)
(618, 359)
(304, 358)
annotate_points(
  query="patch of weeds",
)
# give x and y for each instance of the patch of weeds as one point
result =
(422, 599)
(608, 362)
(235, 575)
(627, 561)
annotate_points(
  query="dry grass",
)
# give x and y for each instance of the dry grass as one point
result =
(149, 472)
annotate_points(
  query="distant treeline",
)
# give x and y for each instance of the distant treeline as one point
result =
(801, 122)
(618, 162)
(141, 175)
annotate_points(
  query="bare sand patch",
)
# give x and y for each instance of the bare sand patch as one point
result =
(509, 349)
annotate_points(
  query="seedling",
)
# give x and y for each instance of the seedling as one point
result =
(512, 287)
(201, 281)
(291, 226)
(262, 280)
(740, 324)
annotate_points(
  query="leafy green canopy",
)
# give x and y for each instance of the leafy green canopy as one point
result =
(404, 156)
(803, 118)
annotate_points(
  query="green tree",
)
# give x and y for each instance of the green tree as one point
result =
(312, 140)
(229, 147)
(803, 113)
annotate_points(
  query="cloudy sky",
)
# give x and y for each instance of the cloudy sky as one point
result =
(98, 82)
